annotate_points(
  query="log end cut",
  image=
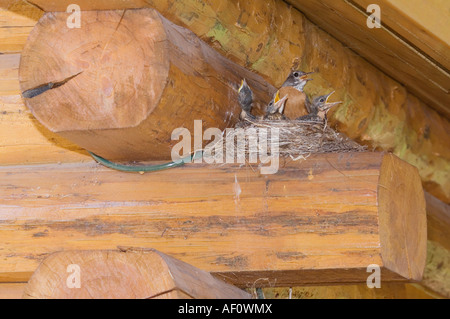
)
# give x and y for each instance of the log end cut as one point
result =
(126, 273)
(402, 218)
(126, 79)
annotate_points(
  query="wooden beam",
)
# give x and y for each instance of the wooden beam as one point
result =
(17, 19)
(360, 291)
(126, 273)
(378, 111)
(125, 75)
(423, 25)
(11, 290)
(323, 220)
(392, 53)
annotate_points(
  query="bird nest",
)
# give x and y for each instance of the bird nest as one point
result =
(293, 139)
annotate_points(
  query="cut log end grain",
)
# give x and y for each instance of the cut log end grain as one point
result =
(402, 221)
(129, 273)
(119, 85)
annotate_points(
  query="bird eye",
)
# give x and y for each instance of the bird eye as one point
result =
(296, 74)
(322, 100)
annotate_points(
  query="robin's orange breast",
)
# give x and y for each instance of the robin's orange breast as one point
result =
(295, 104)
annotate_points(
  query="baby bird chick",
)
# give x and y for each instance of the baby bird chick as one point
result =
(319, 109)
(245, 99)
(275, 108)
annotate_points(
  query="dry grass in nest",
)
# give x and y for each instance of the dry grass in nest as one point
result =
(296, 139)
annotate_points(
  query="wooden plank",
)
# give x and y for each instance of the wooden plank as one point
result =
(126, 273)
(315, 221)
(423, 77)
(423, 24)
(17, 19)
(11, 290)
(9, 68)
(361, 291)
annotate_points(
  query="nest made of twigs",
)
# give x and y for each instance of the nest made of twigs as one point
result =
(295, 139)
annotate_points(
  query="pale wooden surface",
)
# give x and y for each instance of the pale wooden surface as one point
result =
(401, 201)
(11, 290)
(126, 273)
(17, 19)
(315, 221)
(361, 291)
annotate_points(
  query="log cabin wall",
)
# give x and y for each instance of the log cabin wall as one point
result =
(268, 38)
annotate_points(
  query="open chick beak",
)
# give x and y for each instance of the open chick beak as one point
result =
(243, 82)
(328, 105)
(280, 103)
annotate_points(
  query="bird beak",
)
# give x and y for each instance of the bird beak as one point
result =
(330, 105)
(277, 97)
(328, 96)
(305, 76)
(243, 82)
(279, 105)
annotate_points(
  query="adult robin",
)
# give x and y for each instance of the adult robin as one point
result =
(297, 80)
(297, 103)
(319, 109)
(275, 109)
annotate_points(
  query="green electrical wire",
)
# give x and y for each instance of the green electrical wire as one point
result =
(145, 168)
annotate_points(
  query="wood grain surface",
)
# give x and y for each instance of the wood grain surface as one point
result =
(124, 273)
(315, 221)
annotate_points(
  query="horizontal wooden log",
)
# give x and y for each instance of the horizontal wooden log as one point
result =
(323, 220)
(126, 273)
(395, 290)
(122, 84)
(360, 291)
(17, 19)
(391, 120)
(411, 50)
